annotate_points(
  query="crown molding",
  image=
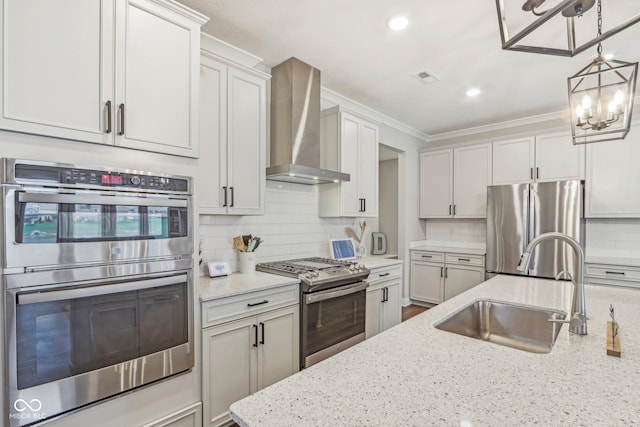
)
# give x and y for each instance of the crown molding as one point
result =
(372, 114)
(228, 51)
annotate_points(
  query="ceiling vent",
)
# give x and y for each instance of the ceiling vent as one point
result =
(426, 77)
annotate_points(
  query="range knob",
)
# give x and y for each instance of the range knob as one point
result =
(135, 180)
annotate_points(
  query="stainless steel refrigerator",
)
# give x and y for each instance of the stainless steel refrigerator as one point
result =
(518, 213)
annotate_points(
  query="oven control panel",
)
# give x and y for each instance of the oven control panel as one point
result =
(64, 175)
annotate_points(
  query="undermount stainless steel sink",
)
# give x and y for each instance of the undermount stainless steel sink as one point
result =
(518, 326)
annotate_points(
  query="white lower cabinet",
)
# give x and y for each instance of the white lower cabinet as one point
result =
(245, 355)
(187, 417)
(438, 276)
(612, 275)
(384, 308)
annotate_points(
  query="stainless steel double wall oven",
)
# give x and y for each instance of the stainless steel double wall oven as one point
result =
(97, 282)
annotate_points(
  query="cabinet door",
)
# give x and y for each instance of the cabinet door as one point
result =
(391, 310)
(246, 117)
(436, 184)
(613, 178)
(557, 159)
(229, 367)
(157, 74)
(57, 61)
(513, 161)
(426, 282)
(212, 166)
(349, 163)
(279, 348)
(372, 322)
(472, 166)
(460, 279)
(368, 169)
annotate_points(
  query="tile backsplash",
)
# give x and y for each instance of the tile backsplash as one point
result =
(603, 237)
(613, 237)
(290, 227)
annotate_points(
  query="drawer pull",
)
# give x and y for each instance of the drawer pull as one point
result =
(620, 273)
(464, 259)
(427, 256)
(255, 340)
(258, 303)
(383, 274)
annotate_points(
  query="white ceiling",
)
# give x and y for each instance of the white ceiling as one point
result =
(457, 41)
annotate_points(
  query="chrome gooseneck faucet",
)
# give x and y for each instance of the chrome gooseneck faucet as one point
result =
(578, 321)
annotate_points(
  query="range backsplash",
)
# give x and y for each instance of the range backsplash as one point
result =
(290, 227)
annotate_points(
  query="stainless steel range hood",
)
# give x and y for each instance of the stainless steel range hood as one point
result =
(295, 126)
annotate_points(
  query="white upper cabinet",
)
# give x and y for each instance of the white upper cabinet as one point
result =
(233, 138)
(349, 145)
(57, 69)
(513, 161)
(612, 186)
(551, 157)
(436, 184)
(122, 73)
(453, 182)
(557, 159)
(472, 175)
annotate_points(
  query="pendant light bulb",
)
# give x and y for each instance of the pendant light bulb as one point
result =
(618, 98)
(586, 102)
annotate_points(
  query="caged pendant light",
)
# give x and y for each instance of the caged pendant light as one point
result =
(601, 97)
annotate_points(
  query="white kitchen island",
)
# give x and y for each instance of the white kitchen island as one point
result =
(416, 375)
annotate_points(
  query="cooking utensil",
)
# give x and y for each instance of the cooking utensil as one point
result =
(239, 245)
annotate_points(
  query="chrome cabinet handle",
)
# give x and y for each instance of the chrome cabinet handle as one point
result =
(108, 107)
(224, 205)
(121, 112)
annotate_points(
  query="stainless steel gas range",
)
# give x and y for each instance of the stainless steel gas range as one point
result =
(333, 304)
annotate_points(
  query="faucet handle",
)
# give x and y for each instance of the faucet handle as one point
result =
(575, 322)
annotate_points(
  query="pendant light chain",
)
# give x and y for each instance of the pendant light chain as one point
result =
(599, 26)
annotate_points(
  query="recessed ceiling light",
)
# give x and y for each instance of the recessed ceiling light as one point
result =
(398, 23)
(473, 92)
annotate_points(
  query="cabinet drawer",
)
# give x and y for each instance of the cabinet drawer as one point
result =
(612, 272)
(383, 274)
(611, 282)
(427, 256)
(463, 259)
(238, 306)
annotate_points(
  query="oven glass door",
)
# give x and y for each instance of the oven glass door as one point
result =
(331, 321)
(65, 332)
(60, 218)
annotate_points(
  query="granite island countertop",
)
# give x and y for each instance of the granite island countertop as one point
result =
(416, 375)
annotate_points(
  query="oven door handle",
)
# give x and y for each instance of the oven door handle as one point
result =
(89, 291)
(335, 293)
(99, 200)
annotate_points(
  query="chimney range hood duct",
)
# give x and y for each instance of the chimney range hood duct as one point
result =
(295, 126)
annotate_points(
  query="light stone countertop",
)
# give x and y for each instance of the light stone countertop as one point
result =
(450, 249)
(416, 375)
(221, 287)
(374, 261)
